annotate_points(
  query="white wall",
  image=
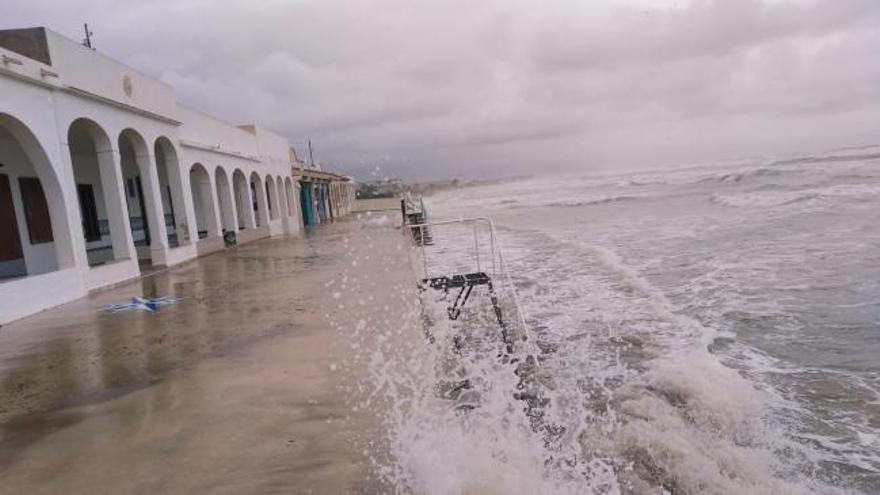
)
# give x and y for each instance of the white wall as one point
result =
(201, 128)
(94, 72)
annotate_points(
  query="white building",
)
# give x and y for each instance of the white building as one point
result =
(103, 173)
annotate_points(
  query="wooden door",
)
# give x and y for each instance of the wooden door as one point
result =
(36, 210)
(10, 242)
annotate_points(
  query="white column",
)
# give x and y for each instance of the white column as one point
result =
(175, 180)
(153, 203)
(262, 209)
(191, 225)
(74, 215)
(284, 204)
(250, 221)
(112, 187)
(297, 208)
(213, 212)
(230, 200)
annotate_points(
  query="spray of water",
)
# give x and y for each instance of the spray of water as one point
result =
(611, 406)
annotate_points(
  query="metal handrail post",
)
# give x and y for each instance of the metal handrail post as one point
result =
(497, 250)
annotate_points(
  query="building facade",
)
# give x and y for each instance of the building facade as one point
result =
(104, 174)
(323, 196)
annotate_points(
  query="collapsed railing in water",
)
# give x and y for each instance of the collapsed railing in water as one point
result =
(464, 254)
(461, 256)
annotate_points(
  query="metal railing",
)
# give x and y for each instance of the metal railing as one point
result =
(467, 246)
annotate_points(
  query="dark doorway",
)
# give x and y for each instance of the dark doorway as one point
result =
(306, 202)
(143, 206)
(10, 242)
(269, 200)
(89, 211)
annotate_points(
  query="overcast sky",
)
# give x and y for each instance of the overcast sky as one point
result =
(501, 87)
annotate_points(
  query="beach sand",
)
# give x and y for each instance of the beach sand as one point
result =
(248, 384)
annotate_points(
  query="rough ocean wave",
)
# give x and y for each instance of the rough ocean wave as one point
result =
(569, 203)
(713, 333)
(764, 199)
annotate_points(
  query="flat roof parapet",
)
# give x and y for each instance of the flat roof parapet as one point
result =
(315, 175)
(27, 42)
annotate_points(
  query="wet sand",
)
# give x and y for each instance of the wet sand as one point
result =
(244, 386)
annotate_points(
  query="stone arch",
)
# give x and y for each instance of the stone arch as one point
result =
(141, 186)
(258, 198)
(271, 200)
(203, 200)
(32, 208)
(279, 197)
(228, 220)
(242, 194)
(290, 197)
(98, 184)
(171, 192)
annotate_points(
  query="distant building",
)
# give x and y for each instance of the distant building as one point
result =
(385, 188)
(103, 172)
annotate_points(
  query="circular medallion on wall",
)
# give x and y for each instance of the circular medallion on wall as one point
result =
(126, 85)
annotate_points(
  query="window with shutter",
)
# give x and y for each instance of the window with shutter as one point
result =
(10, 243)
(36, 210)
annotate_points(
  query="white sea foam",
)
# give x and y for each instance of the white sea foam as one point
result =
(686, 423)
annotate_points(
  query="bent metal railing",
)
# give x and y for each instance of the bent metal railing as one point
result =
(461, 254)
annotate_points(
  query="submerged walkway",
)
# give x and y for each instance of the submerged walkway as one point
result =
(240, 387)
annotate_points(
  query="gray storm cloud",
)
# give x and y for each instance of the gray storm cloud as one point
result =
(491, 88)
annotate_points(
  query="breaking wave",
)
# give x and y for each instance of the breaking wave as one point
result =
(645, 180)
(588, 202)
(571, 203)
(735, 177)
(764, 199)
(633, 400)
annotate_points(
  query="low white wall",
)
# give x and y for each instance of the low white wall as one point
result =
(110, 274)
(180, 254)
(209, 245)
(25, 296)
(276, 227)
(249, 235)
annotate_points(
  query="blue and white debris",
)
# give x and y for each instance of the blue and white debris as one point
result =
(150, 305)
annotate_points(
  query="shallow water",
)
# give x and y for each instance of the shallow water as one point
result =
(709, 330)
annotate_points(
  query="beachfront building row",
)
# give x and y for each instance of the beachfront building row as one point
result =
(323, 196)
(104, 174)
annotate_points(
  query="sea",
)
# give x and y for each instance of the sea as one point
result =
(709, 329)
